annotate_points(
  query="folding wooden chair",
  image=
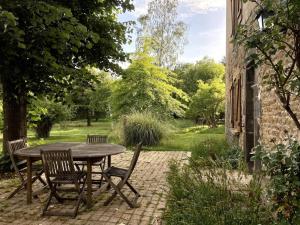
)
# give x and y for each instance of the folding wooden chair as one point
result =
(59, 170)
(20, 166)
(124, 175)
(95, 139)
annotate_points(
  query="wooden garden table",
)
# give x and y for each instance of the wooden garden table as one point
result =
(90, 153)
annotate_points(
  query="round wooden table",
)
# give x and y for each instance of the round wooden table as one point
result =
(80, 151)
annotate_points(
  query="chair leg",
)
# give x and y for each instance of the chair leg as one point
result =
(41, 180)
(133, 189)
(19, 188)
(102, 167)
(80, 197)
(54, 193)
(117, 189)
(47, 203)
(109, 200)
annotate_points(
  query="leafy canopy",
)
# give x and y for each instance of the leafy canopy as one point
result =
(204, 70)
(146, 86)
(46, 42)
(208, 101)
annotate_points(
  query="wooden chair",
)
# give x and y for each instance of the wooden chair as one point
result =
(20, 166)
(95, 139)
(124, 175)
(59, 170)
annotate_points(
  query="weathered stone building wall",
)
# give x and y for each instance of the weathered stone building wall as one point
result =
(235, 68)
(275, 121)
(272, 119)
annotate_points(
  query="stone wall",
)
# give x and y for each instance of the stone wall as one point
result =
(273, 120)
(235, 67)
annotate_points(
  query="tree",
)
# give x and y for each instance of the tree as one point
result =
(44, 44)
(204, 70)
(276, 46)
(92, 98)
(145, 86)
(99, 97)
(208, 101)
(44, 112)
(165, 34)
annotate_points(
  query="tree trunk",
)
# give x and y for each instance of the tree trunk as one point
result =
(88, 118)
(14, 115)
(43, 128)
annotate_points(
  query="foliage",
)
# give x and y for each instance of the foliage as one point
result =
(141, 127)
(71, 34)
(204, 70)
(218, 150)
(145, 86)
(202, 193)
(1, 116)
(208, 102)
(46, 43)
(92, 98)
(44, 112)
(165, 34)
(99, 98)
(276, 46)
(282, 164)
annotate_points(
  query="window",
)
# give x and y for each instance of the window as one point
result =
(236, 109)
(236, 14)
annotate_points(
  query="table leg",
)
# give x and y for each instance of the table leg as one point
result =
(29, 180)
(108, 166)
(89, 184)
(109, 161)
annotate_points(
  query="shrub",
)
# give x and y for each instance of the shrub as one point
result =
(140, 127)
(44, 112)
(281, 164)
(202, 193)
(217, 149)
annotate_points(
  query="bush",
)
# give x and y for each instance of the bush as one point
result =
(281, 164)
(140, 127)
(202, 193)
(44, 112)
(217, 149)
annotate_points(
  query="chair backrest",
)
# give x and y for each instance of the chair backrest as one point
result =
(14, 146)
(57, 163)
(134, 159)
(94, 139)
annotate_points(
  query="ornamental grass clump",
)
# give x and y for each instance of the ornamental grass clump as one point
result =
(141, 127)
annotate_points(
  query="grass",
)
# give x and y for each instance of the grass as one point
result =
(183, 134)
(202, 193)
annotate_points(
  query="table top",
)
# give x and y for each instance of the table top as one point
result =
(79, 150)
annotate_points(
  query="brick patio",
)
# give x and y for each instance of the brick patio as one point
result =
(149, 178)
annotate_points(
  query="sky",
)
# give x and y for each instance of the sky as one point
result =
(206, 22)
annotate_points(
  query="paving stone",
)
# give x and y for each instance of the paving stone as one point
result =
(149, 178)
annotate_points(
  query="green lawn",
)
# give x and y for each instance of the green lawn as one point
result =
(186, 134)
(183, 134)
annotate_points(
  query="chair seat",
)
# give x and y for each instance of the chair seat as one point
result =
(68, 178)
(115, 171)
